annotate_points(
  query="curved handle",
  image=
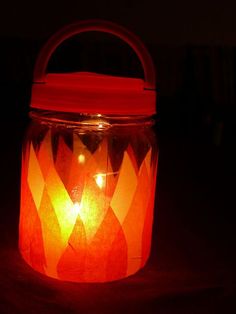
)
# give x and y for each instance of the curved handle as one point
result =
(95, 25)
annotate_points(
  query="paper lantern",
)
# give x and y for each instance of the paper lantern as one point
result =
(89, 169)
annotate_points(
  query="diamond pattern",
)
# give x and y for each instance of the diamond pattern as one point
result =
(79, 219)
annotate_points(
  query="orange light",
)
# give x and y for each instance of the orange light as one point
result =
(81, 158)
(99, 233)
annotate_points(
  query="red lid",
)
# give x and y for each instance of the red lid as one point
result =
(90, 92)
(93, 93)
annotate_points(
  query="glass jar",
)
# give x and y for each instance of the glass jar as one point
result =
(88, 184)
(88, 178)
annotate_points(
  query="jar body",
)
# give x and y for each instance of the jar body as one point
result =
(87, 195)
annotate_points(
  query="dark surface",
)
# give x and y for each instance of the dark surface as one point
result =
(161, 22)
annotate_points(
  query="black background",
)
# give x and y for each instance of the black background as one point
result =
(193, 45)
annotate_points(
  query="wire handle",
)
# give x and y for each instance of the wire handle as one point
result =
(101, 26)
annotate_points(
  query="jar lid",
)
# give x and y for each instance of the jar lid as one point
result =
(88, 92)
(93, 93)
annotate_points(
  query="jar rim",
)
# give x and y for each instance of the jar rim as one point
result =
(102, 121)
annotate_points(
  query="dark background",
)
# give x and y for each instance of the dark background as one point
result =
(193, 45)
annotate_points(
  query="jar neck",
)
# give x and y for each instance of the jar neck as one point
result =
(96, 120)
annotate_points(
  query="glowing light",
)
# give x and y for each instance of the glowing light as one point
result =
(86, 197)
(100, 233)
(81, 158)
(100, 179)
(76, 208)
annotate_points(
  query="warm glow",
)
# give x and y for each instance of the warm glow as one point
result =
(76, 208)
(81, 158)
(79, 223)
(100, 179)
(89, 171)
